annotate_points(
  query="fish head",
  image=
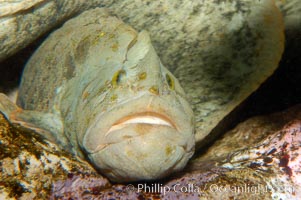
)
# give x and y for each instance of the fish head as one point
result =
(144, 127)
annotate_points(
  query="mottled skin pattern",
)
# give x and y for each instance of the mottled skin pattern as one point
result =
(97, 88)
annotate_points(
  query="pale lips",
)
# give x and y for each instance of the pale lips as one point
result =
(142, 118)
(148, 118)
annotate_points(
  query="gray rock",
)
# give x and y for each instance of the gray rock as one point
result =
(291, 10)
(22, 22)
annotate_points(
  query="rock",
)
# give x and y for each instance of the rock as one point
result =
(262, 151)
(173, 26)
(251, 132)
(23, 21)
(291, 11)
(30, 166)
(259, 159)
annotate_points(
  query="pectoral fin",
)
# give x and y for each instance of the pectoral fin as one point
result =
(47, 125)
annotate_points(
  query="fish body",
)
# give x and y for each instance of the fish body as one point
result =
(98, 89)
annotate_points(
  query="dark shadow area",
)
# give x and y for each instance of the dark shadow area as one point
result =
(11, 68)
(283, 88)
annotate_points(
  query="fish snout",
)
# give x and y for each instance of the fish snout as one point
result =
(143, 139)
(144, 157)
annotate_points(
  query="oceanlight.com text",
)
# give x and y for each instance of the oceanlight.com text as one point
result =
(215, 188)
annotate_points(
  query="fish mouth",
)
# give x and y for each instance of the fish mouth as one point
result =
(128, 123)
(150, 118)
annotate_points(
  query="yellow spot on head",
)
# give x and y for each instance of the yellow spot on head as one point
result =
(101, 34)
(168, 150)
(154, 89)
(85, 95)
(142, 76)
(114, 97)
(114, 47)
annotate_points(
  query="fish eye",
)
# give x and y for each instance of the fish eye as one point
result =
(117, 77)
(170, 81)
